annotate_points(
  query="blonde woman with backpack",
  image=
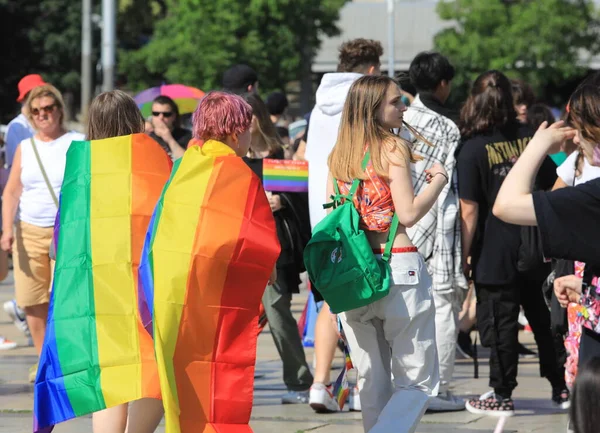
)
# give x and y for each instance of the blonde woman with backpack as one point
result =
(395, 335)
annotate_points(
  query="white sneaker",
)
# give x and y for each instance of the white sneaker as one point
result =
(6, 344)
(446, 402)
(17, 316)
(295, 397)
(321, 398)
(354, 400)
(487, 395)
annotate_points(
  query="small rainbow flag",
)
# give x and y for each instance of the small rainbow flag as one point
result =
(210, 249)
(284, 175)
(96, 353)
(341, 389)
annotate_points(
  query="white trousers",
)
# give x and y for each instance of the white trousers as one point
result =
(447, 307)
(395, 336)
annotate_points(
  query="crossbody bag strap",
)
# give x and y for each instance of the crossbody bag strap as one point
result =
(39, 160)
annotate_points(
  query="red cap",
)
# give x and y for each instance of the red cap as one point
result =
(27, 83)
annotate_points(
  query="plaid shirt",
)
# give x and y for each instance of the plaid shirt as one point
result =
(437, 234)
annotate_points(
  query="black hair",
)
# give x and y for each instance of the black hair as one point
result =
(237, 79)
(538, 114)
(282, 131)
(489, 105)
(584, 414)
(165, 100)
(522, 93)
(276, 103)
(428, 70)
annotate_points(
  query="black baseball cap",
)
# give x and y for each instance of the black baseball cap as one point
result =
(238, 78)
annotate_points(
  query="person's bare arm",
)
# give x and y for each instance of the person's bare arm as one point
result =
(469, 213)
(409, 208)
(514, 203)
(10, 201)
(299, 155)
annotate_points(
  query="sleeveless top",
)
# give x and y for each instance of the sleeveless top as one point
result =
(373, 200)
(36, 206)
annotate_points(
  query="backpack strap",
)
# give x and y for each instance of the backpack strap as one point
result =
(387, 252)
(338, 195)
(356, 182)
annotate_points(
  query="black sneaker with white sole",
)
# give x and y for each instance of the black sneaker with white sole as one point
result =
(561, 397)
(491, 405)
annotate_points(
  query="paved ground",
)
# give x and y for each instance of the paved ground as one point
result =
(532, 398)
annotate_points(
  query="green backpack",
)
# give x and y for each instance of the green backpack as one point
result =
(339, 259)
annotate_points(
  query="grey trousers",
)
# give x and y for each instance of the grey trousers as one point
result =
(284, 329)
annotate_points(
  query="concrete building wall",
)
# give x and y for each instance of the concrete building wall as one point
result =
(417, 23)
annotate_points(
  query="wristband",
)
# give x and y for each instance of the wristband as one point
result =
(439, 172)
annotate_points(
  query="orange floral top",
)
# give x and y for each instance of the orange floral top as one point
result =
(373, 200)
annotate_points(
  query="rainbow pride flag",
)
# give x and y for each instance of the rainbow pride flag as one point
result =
(96, 353)
(284, 175)
(210, 249)
(341, 388)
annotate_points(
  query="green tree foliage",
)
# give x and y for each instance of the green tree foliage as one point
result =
(56, 38)
(44, 36)
(199, 39)
(540, 41)
(39, 37)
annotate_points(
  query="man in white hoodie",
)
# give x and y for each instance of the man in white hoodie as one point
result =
(356, 58)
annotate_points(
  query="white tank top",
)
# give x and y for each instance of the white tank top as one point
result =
(37, 206)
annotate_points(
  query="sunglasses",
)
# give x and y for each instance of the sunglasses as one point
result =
(47, 109)
(164, 113)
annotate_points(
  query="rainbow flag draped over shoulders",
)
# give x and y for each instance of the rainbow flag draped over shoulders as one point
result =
(96, 353)
(210, 249)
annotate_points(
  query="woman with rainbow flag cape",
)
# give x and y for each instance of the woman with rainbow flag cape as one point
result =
(97, 356)
(210, 251)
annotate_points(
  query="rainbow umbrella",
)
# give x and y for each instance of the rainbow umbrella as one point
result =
(185, 97)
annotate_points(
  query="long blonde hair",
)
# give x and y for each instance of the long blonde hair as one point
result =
(360, 128)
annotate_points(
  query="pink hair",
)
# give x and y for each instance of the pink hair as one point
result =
(220, 115)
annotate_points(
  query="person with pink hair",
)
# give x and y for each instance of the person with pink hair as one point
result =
(226, 118)
(214, 197)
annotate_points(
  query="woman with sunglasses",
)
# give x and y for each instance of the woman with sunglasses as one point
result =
(167, 130)
(30, 204)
